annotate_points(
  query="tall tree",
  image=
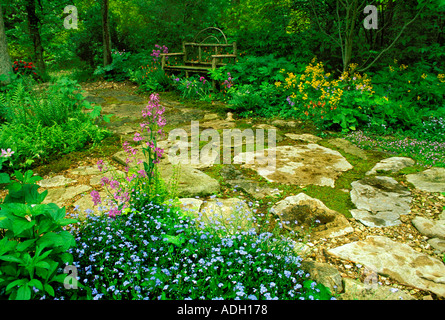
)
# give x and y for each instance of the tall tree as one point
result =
(34, 30)
(5, 59)
(106, 33)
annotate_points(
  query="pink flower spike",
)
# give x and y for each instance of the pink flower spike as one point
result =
(96, 197)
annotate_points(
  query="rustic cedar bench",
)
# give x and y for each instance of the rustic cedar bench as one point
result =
(201, 64)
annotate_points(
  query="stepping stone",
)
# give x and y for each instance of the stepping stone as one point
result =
(379, 201)
(60, 195)
(131, 98)
(124, 110)
(56, 181)
(286, 123)
(300, 165)
(210, 116)
(396, 260)
(430, 180)
(190, 181)
(191, 205)
(325, 274)
(438, 244)
(85, 205)
(255, 189)
(430, 228)
(301, 210)
(95, 100)
(393, 164)
(356, 290)
(305, 137)
(217, 125)
(96, 180)
(87, 170)
(348, 147)
(265, 126)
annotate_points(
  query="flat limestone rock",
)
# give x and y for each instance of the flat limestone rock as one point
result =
(356, 290)
(438, 244)
(430, 228)
(393, 164)
(60, 195)
(190, 205)
(379, 201)
(348, 147)
(56, 181)
(430, 180)
(300, 165)
(305, 137)
(190, 181)
(380, 219)
(396, 260)
(85, 206)
(303, 211)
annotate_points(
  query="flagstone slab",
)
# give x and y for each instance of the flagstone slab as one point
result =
(56, 181)
(301, 165)
(301, 210)
(396, 260)
(430, 228)
(349, 147)
(430, 180)
(379, 201)
(393, 164)
(60, 195)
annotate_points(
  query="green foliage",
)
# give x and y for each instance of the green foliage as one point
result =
(40, 143)
(119, 69)
(33, 242)
(194, 87)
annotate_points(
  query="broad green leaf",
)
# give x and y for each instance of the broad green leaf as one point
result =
(36, 283)
(4, 178)
(16, 283)
(24, 293)
(21, 224)
(49, 289)
(43, 264)
(11, 258)
(25, 244)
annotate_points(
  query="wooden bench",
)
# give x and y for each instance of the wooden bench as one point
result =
(200, 64)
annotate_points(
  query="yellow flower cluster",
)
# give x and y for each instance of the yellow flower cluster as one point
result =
(441, 77)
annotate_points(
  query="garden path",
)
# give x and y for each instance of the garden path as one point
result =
(395, 234)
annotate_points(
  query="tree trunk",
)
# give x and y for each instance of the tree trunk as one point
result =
(5, 59)
(33, 24)
(106, 34)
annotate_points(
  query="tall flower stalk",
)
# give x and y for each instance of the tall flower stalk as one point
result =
(141, 185)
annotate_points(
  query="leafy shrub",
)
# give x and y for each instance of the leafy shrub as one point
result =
(33, 243)
(37, 142)
(245, 99)
(256, 70)
(118, 69)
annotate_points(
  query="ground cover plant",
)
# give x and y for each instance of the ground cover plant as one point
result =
(39, 124)
(161, 253)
